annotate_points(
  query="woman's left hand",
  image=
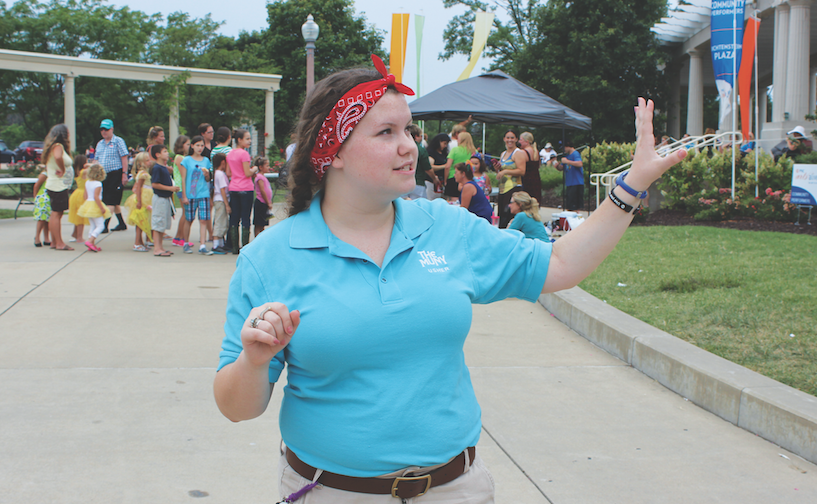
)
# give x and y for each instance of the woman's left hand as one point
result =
(648, 166)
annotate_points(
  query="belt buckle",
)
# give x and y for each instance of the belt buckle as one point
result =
(411, 478)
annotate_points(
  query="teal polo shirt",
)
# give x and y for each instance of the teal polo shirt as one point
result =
(376, 374)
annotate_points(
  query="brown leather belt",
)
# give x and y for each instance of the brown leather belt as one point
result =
(404, 487)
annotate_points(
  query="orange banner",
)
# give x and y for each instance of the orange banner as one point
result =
(745, 74)
(399, 38)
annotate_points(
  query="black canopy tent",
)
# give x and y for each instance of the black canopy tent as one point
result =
(496, 97)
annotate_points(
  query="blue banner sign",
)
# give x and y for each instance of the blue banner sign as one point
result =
(804, 184)
(726, 44)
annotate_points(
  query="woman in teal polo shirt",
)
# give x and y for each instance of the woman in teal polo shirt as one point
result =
(354, 264)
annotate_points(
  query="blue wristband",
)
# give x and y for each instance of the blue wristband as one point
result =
(628, 189)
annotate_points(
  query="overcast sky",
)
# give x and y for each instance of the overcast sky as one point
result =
(253, 16)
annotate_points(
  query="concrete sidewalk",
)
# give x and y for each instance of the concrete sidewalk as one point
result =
(107, 368)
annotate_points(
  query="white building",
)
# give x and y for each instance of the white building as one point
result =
(787, 61)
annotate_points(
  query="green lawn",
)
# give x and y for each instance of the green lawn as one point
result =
(746, 296)
(9, 214)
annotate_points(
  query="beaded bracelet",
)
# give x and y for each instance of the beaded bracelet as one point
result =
(624, 206)
(630, 190)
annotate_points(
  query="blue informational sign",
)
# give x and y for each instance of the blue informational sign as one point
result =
(804, 184)
(726, 46)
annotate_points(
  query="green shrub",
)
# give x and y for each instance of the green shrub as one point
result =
(550, 176)
(701, 186)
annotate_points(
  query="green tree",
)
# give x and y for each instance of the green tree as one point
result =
(594, 56)
(345, 41)
(34, 101)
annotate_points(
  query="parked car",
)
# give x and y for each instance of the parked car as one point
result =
(30, 150)
(6, 156)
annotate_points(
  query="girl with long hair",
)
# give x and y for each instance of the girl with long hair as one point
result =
(509, 178)
(241, 189)
(59, 167)
(332, 293)
(180, 149)
(531, 181)
(438, 154)
(460, 154)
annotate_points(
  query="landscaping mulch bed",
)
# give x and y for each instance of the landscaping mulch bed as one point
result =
(678, 218)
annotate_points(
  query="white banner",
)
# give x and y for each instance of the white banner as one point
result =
(804, 184)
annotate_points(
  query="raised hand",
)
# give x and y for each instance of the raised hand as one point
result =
(648, 166)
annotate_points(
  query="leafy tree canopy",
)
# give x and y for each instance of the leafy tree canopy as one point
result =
(594, 56)
(345, 41)
(33, 102)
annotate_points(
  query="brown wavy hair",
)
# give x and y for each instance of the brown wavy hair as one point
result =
(303, 183)
(57, 135)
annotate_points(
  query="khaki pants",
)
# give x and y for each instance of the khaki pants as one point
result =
(475, 486)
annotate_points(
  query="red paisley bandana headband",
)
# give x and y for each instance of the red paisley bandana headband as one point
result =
(347, 112)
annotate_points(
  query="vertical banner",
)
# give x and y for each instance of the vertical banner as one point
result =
(399, 38)
(725, 54)
(745, 73)
(482, 27)
(419, 21)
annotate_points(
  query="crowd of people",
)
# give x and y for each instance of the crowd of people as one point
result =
(451, 167)
(214, 180)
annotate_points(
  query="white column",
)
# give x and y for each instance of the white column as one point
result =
(762, 106)
(674, 115)
(812, 90)
(173, 131)
(695, 98)
(70, 118)
(269, 120)
(797, 71)
(781, 46)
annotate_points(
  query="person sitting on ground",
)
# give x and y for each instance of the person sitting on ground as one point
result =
(526, 217)
(471, 195)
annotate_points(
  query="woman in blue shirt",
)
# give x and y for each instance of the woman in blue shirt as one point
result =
(526, 217)
(354, 265)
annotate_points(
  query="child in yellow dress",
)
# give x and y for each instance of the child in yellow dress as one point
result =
(138, 203)
(77, 199)
(93, 208)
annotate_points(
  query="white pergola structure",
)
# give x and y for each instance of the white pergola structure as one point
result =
(787, 60)
(70, 68)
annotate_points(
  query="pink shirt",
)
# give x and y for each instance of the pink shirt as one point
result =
(264, 185)
(236, 159)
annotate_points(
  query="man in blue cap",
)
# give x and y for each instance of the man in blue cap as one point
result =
(112, 154)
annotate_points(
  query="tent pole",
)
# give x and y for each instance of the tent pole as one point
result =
(564, 175)
(588, 171)
(483, 140)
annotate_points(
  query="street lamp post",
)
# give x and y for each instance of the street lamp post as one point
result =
(310, 31)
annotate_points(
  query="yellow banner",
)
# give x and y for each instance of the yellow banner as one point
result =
(399, 38)
(482, 27)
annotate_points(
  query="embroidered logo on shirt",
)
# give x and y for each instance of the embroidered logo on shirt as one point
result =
(429, 258)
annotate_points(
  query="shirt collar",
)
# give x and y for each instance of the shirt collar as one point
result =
(309, 230)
